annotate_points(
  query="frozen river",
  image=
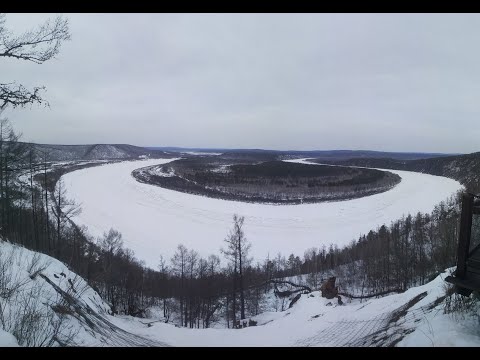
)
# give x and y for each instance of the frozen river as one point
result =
(153, 220)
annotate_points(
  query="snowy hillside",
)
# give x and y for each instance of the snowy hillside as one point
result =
(43, 303)
(57, 307)
(414, 318)
(95, 152)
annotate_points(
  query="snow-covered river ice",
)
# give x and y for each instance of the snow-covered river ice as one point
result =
(154, 220)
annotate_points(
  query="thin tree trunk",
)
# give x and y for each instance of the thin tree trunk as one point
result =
(34, 212)
(242, 299)
(227, 312)
(2, 201)
(59, 215)
(46, 207)
(234, 295)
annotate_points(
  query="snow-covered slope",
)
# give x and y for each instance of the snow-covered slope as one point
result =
(43, 303)
(7, 339)
(105, 152)
(414, 318)
(154, 220)
(61, 300)
(94, 152)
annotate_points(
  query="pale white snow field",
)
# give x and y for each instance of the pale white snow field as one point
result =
(154, 220)
(7, 339)
(311, 322)
(20, 264)
(200, 153)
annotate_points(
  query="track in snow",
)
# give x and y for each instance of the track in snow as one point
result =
(106, 333)
(384, 329)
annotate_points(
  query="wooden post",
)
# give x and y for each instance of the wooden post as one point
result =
(464, 235)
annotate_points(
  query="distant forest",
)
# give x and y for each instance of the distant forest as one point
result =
(267, 181)
(463, 168)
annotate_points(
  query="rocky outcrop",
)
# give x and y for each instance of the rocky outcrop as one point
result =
(328, 288)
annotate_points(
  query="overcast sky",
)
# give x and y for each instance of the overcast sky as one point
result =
(390, 82)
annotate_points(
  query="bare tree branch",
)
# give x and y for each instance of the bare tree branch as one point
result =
(37, 45)
(18, 95)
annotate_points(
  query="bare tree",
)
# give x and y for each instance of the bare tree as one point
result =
(192, 260)
(111, 245)
(212, 304)
(163, 270)
(47, 220)
(63, 210)
(37, 45)
(179, 267)
(237, 252)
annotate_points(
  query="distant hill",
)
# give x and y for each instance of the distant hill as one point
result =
(96, 152)
(319, 154)
(182, 149)
(434, 163)
(355, 154)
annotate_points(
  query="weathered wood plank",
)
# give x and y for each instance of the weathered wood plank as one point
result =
(472, 273)
(467, 275)
(463, 284)
(464, 235)
(475, 254)
(472, 261)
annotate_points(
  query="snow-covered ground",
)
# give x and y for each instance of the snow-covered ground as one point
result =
(200, 153)
(39, 294)
(154, 220)
(408, 319)
(7, 339)
(413, 318)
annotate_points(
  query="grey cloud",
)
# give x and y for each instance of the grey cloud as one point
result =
(398, 82)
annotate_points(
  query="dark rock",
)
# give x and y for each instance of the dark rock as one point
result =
(328, 288)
